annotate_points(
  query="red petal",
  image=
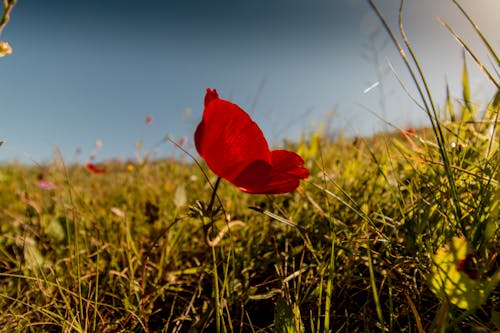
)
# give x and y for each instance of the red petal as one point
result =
(270, 183)
(288, 162)
(210, 95)
(282, 176)
(228, 139)
(286, 172)
(254, 178)
(94, 168)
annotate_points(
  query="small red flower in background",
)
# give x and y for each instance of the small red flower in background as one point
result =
(94, 168)
(411, 130)
(235, 149)
(182, 140)
(149, 120)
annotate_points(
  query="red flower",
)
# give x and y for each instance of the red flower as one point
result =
(235, 149)
(411, 130)
(94, 168)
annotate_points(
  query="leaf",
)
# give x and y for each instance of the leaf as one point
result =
(495, 318)
(180, 198)
(496, 101)
(55, 230)
(32, 255)
(449, 104)
(451, 280)
(118, 212)
(309, 149)
(492, 222)
(284, 321)
(466, 92)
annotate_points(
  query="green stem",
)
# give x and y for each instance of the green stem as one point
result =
(212, 200)
(216, 291)
(329, 287)
(376, 299)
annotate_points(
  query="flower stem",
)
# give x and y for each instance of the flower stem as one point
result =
(212, 200)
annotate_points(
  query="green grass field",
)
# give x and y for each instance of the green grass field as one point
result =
(398, 233)
(134, 249)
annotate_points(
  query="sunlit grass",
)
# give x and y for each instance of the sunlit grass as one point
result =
(129, 249)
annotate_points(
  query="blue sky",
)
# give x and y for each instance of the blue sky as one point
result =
(92, 70)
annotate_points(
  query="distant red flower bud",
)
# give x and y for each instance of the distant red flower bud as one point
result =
(235, 149)
(94, 168)
(182, 140)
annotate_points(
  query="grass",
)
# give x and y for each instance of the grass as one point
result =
(141, 249)
(128, 250)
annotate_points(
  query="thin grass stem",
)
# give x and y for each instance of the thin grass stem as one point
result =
(476, 27)
(472, 53)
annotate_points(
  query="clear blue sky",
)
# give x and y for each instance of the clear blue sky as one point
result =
(92, 70)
